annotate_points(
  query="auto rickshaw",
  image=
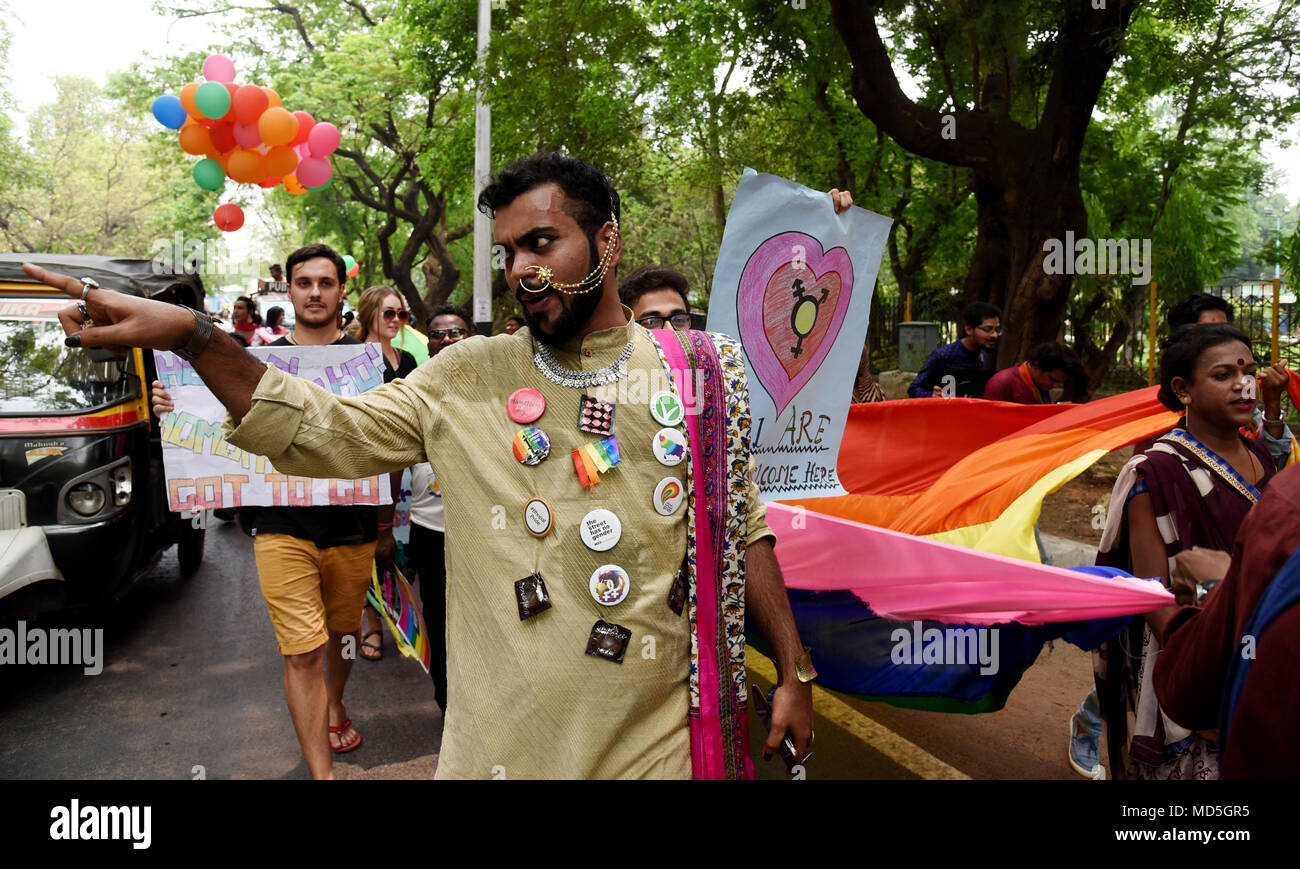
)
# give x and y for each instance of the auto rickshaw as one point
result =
(83, 497)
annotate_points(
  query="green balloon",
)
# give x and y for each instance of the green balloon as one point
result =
(208, 173)
(348, 261)
(212, 99)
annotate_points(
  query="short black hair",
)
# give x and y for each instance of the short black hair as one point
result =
(1182, 350)
(1054, 356)
(312, 251)
(517, 318)
(274, 316)
(453, 310)
(587, 191)
(1188, 311)
(275, 267)
(648, 278)
(977, 312)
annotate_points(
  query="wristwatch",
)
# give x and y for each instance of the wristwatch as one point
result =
(199, 340)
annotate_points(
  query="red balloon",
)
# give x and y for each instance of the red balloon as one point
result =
(247, 137)
(249, 101)
(269, 182)
(305, 123)
(228, 217)
(223, 137)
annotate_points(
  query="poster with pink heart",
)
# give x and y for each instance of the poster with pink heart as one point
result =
(793, 283)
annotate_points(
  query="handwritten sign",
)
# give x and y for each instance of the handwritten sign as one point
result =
(794, 283)
(205, 471)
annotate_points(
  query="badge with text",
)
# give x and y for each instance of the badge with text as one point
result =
(531, 445)
(596, 416)
(530, 594)
(610, 585)
(669, 446)
(538, 517)
(608, 641)
(525, 405)
(666, 408)
(668, 496)
(600, 530)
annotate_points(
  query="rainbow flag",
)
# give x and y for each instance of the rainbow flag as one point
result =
(391, 595)
(937, 532)
(594, 459)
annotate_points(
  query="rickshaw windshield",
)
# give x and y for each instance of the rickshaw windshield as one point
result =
(39, 375)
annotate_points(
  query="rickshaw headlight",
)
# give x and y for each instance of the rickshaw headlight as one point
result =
(86, 498)
(121, 480)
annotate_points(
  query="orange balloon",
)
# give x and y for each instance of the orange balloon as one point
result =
(273, 97)
(291, 184)
(277, 126)
(281, 160)
(224, 159)
(214, 152)
(195, 139)
(246, 167)
(187, 99)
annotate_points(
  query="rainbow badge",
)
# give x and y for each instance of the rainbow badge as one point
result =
(591, 460)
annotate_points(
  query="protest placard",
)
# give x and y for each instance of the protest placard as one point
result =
(793, 284)
(204, 471)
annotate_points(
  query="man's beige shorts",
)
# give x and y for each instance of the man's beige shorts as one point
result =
(310, 591)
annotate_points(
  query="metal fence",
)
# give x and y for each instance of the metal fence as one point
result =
(1252, 313)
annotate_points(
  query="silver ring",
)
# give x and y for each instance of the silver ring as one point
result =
(88, 284)
(86, 320)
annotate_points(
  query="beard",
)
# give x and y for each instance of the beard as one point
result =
(575, 310)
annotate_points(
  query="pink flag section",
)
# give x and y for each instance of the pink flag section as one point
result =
(902, 577)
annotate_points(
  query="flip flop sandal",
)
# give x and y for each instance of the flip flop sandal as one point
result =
(378, 648)
(340, 729)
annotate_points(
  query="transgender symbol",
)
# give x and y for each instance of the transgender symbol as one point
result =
(792, 299)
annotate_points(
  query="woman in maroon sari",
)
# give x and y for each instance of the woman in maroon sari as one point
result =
(1192, 488)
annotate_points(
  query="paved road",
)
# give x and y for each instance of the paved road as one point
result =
(192, 679)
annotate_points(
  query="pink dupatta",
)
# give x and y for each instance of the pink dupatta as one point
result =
(718, 721)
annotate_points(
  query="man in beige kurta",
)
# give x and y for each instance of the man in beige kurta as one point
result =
(524, 699)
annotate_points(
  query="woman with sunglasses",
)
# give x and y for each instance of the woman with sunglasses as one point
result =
(382, 314)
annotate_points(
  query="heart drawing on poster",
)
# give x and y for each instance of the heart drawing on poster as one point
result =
(792, 300)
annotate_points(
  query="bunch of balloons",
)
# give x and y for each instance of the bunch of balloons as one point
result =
(246, 135)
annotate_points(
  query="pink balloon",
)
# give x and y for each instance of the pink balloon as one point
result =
(314, 171)
(247, 137)
(218, 67)
(323, 139)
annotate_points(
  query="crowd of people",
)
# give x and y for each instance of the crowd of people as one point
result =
(515, 552)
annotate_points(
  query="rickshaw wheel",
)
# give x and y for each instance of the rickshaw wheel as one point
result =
(189, 549)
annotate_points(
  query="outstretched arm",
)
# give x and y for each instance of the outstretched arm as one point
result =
(120, 321)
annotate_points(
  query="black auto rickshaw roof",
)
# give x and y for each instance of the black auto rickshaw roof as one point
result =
(138, 277)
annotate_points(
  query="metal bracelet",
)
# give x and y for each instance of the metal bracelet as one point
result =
(199, 340)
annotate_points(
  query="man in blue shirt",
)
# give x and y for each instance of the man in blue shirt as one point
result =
(983, 325)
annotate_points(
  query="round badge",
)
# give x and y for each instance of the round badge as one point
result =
(531, 445)
(538, 517)
(600, 530)
(610, 585)
(669, 446)
(525, 405)
(668, 496)
(667, 408)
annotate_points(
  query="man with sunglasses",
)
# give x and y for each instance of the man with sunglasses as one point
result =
(658, 296)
